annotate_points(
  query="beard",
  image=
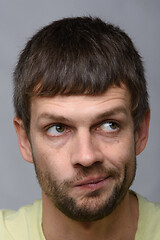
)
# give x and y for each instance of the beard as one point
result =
(91, 206)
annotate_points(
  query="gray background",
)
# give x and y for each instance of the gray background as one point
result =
(19, 20)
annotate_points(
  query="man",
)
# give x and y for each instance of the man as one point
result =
(82, 117)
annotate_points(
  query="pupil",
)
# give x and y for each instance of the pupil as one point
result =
(112, 125)
(59, 128)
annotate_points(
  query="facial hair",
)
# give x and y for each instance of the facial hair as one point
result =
(91, 208)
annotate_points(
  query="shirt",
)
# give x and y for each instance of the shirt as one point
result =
(26, 222)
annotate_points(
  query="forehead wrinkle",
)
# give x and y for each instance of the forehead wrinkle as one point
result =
(108, 100)
(67, 106)
(89, 101)
(53, 117)
(110, 94)
(45, 116)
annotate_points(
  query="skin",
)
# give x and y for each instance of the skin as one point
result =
(87, 145)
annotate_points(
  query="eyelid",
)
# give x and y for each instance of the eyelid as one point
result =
(106, 121)
(55, 125)
(100, 129)
(96, 126)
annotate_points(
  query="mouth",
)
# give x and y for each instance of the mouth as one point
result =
(92, 184)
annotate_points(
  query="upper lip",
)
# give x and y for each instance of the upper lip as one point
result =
(91, 181)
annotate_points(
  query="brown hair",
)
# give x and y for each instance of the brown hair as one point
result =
(75, 56)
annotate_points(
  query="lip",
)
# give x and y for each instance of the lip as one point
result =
(92, 183)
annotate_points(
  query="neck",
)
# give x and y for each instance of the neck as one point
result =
(121, 224)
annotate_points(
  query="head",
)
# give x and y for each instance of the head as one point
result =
(78, 56)
(81, 114)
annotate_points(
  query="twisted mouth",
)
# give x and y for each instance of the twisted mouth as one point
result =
(92, 183)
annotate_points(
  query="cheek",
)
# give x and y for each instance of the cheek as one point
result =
(121, 153)
(122, 158)
(49, 159)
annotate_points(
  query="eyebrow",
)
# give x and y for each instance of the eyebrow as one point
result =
(111, 112)
(60, 118)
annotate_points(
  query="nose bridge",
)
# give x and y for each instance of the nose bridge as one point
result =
(84, 150)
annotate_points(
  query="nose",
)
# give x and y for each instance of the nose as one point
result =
(85, 152)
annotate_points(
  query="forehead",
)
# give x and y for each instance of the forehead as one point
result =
(83, 105)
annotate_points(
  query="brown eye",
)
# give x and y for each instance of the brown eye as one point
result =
(109, 126)
(60, 128)
(56, 130)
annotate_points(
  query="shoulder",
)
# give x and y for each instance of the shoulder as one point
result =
(21, 223)
(149, 219)
(147, 208)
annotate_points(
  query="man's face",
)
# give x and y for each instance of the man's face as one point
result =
(84, 151)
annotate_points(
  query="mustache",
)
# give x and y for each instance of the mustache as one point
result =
(95, 169)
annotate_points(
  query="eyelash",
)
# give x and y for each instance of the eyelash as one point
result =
(66, 128)
(98, 128)
(113, 131)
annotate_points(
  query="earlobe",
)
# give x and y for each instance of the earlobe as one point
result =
(141, 134)
(24, 143)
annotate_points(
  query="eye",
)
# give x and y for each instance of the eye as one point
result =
(56, 130)
(109, 127)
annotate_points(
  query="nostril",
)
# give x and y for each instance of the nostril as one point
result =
(86, 169)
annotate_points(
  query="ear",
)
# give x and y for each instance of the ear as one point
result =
(24, 143)
(141, 134)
